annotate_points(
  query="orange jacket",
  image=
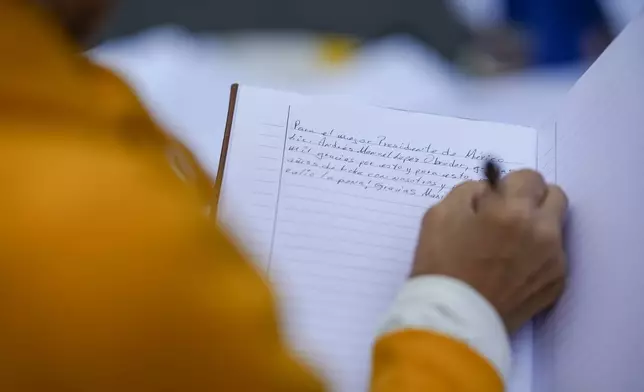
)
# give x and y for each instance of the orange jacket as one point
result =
(113, 277)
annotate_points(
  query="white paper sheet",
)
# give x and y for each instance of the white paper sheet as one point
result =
(594, 341)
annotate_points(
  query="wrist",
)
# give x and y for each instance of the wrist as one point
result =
(451, 307)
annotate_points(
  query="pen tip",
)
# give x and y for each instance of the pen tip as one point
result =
(492, 172)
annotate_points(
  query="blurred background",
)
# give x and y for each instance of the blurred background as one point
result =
(502, 60)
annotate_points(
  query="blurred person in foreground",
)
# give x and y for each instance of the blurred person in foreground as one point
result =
(114, 278)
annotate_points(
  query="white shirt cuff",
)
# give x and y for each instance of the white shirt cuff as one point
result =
(451, 307)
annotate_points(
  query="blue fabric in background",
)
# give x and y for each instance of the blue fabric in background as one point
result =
(556, 26)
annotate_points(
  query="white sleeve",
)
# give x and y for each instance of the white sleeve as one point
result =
(451, 307)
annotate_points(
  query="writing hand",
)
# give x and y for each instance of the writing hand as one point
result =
(505, 243)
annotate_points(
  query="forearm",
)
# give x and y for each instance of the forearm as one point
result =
(441, 335)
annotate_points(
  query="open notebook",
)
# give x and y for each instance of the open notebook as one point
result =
(327, 197)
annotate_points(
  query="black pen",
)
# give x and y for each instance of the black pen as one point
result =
(492, 174)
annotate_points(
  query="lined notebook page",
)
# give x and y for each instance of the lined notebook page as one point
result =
(328, 198)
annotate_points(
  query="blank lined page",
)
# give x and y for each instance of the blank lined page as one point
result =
(327, 197)
(593, 340)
